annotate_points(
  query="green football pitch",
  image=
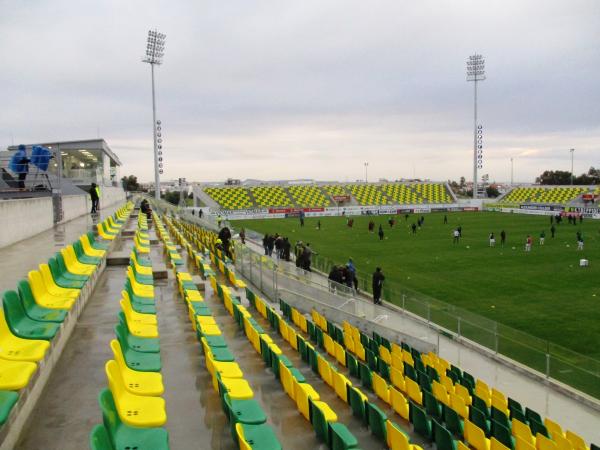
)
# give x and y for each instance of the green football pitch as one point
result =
(544, 293)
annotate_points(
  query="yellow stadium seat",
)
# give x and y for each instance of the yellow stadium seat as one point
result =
(134, 410)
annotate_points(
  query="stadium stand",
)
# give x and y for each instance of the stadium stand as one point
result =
(335, 190)
(33, 316)
(417, 193)
(308, 196)
(133, 410)
(444, 404)
(553, 195)
(230, 197)
(368, 194)
(270, 196)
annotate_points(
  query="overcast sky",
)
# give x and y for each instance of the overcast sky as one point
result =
(308, 89)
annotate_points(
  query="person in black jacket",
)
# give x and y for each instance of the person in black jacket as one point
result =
(378, 279)
(94, 197)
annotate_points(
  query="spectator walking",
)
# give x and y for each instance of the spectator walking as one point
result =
(377, 285)
(94, 197)
(22, 166)
(265, 243)
(352, 273)
(243, 235)
(287, 246)
(307, 257)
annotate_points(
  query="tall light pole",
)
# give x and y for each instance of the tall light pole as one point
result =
(512, 172)
(572, 152)
(475, 73)
(366, 166)
(154, 53)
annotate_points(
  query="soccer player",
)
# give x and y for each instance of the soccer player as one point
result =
(528, 243)
(542, 237)
(502, 238)
(380, 232)
(414, 228)
(456, 236)
(552, 230)
(492, 239)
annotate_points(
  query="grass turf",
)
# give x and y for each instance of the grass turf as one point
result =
(544, 293)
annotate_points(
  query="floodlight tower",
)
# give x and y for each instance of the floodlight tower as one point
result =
(154, 53)
(475, 73)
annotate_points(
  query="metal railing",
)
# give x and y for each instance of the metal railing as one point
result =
(550, 360)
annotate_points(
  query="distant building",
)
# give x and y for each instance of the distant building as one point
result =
(83, 162)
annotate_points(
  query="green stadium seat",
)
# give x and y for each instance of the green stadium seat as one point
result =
(443, 437)
(63, 279)
(99, 439)
(143, 345)
(503, 434)
(24, 327)
(420, 421)
(144, 362)
(357, 400)
(453, 422)
(377, 420)
(123, 436)
(341, 437)
(258, 436)
(8, 399)
(32, 309)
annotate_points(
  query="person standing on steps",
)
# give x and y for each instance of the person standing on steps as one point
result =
(377, 286)
(94, 197)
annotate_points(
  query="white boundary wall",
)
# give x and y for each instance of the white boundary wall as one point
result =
(23, 218)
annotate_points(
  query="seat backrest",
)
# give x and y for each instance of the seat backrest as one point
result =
(420, 421)
(115, 346)
(54, 267)
(522, 430)
(110, 416)
(100, 439)
(544, 443)
(47, 275)
(25, 294)
(13, 309)
(474, 435)
(444, 440)
(497, 445)
(576, 441)
(115, 380)
(396, 439)
(36, 283)
(240, 434)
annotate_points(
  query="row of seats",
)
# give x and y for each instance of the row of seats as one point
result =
(247, 419)
(133, 411)
(417, 193)
(307, 400)
(231, 197)
(33, 314)
(444, 404)
(373, 417)
(312, 196)
(265, 196)
(554, 195)
(323, 419)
